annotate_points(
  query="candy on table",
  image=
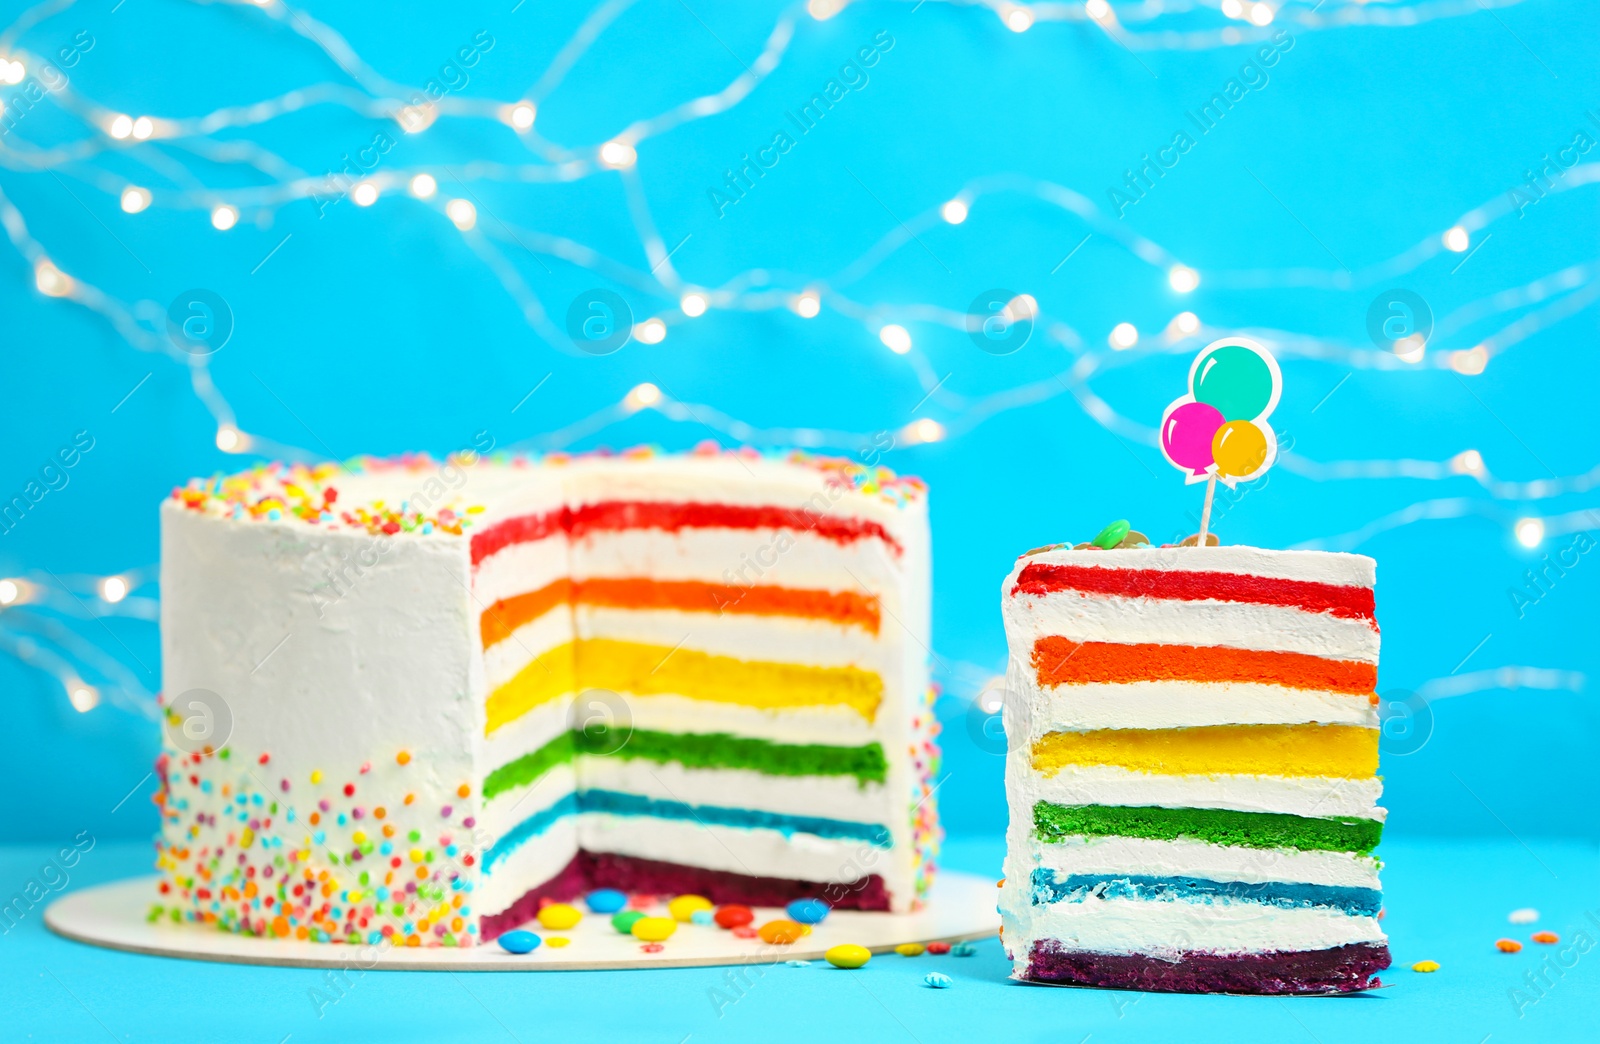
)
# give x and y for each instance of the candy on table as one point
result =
(781, 932)
(962, 949)
(651, 948)
(848, 955)
(702, 918)
(519, 942)
(560, 916)
(1507, 945)
(744, 931)
(938, 980)
(684, 906)
(654, 929)
(938, 947)
(798, 964)
(558, 941)
(1425, 966)
(1526, 915)
(1548, 938)
(910, 949)
(807, 911)
(625, 920)
(734, 916)
(605, 901)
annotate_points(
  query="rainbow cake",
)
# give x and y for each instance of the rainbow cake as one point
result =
(410, 700)
(1192, 770)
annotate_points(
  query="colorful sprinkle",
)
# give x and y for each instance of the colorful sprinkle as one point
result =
(962, 949)
(1547, 938)
(1425, 966)
(938, 947)
(1507, 945)
(938, 980)
(910, 949)
(1526, 915)
(559, 941)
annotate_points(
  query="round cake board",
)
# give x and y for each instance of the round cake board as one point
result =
(959, 906)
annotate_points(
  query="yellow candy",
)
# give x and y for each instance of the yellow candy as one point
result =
(654, 929)
(557, 941)
(1425, 966)
(910, 949)
(560, 917)
(683, 907)
(848, 955)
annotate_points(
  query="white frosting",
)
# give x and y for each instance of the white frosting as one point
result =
(1200, 859)
(1323, 567)
(1167, 928)
(1110, 785)
(1174, 704)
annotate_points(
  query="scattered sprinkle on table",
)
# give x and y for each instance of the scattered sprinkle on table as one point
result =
(848, 955)
(1507, 945)
(702, 918)
(558, 941)
(909, 949)
(798, 964)
(1526, 915)
(962, 949)
(1548, 938)
(1425, 966)
(652, 948)
(938, 947)
(938, 981)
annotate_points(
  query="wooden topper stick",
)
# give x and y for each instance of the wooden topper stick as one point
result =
(1205, 512)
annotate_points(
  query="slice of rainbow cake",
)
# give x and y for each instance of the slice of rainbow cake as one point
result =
(1192, 770)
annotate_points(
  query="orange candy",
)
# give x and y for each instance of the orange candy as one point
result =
(1546, 937)
(1507, 945)
(780, 932)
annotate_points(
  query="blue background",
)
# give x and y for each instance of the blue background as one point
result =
(384, 329)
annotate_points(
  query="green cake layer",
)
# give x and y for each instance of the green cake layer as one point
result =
(1219, 826)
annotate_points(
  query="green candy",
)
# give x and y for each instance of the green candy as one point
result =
(1112, 535)
(623, 921)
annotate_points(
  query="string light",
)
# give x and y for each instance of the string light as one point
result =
(85, 698)
(51, 281)
(9, 592)
(822, 10)
(1467, 462)
(1124, 336)
(522, 115)
(1097, 9)
(895, 337)
(1233, 8)
(229, 439)
(364, 194)
(1470, 361)
(1530, 532)
(224, 217)
(135, 199)
(955, 211)
(12, 72)
(143, 127)
(1457, 240)
(693, 304)
(651, 331)
(618, 155)
(1018, 19)
(1410, 348)
(1186, 323)
(1261, 14)
(923, 430)
(114, 589)
(807, 305)
(423, 186)
(642, 395)
(120, 127)
(1183, 278)
(462, 213)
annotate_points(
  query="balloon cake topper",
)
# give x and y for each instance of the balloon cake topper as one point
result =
(1219, 430)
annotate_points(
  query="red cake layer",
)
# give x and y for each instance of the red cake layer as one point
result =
(615, 515)
(590, 870)
(1342, 969)
(1351, 603)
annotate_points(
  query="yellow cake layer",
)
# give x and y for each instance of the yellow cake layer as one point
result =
(1339, 751)
(639, 669)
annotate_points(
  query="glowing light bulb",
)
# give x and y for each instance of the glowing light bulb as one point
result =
(1467, 462)
(84, 698)
(224, 217)
(51, 281)
(228, 438)
(1470, 361)
(120, 127)
(954, 211)
(1530, 531)
(1017, 18)
(11, 72)
(925, 430)
(693, 304)
(1457, 240)
(895, 337)
(1261, 14)
(113, 589)
(414, 119)
(1097, 9)
(9, 592)
(143, 127)
(618, 155)
(1183, 278)
(1233, 8)
(1022, 308)
(806, 305)
(643, 395)
(462, 213)
(423, 186)
(1186, 323)
(651, 331)
(1410, 348)
(822, 10)
(1124, 335)
(522, 115)
(135, 199)
(364, 194)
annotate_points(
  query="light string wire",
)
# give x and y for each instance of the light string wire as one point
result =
(52, 647)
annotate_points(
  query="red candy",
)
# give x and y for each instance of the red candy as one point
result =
(938, 947)
(734, 916)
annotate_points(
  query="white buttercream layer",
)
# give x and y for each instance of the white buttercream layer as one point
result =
(1167, 929)
(1310, 796)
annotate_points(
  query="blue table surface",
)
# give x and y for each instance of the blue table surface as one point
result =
(1447, 900)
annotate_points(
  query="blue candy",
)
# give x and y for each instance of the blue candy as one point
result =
(605, 901)
(519, 942)
(702, 917)
(808, 911)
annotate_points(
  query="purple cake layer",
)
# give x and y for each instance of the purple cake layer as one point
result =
(590, 870)
(1343, 969)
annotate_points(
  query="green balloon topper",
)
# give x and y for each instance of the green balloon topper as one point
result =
(1240, 381)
